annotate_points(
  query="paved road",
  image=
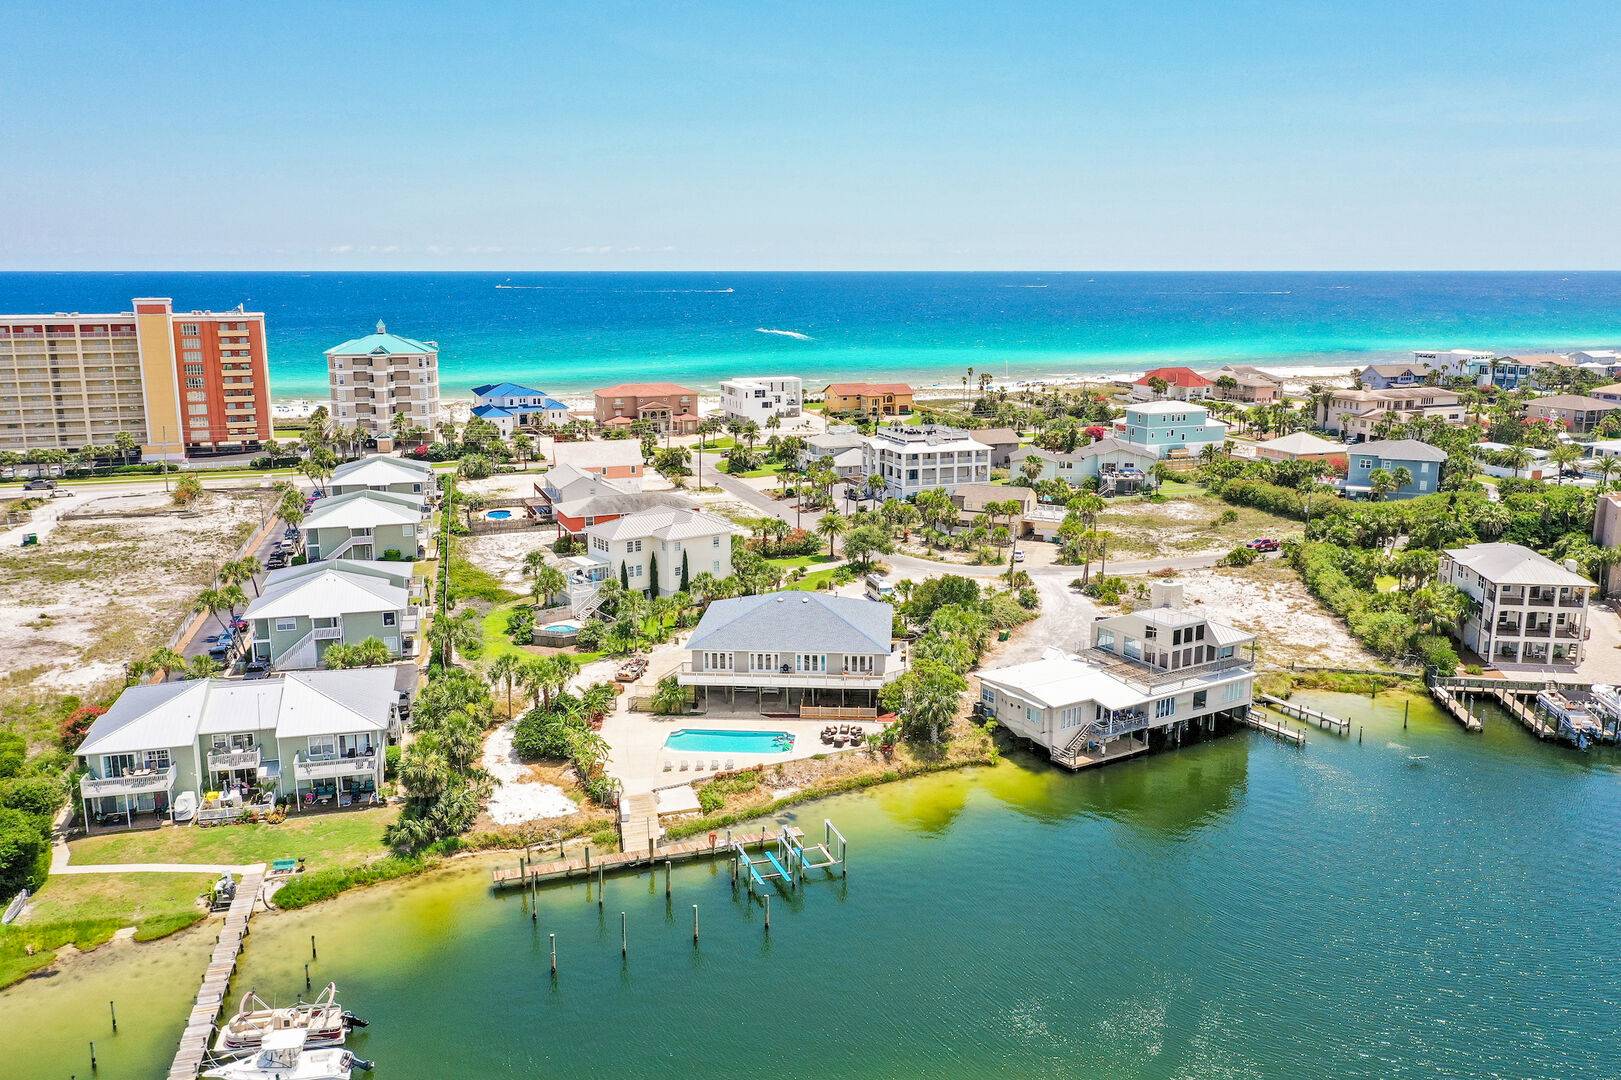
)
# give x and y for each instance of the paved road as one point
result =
(769, 507)
(913, 564)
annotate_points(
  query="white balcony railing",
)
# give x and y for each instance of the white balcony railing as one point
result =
(142, 782)
(817, 680)
(224, 760)
(328, 633)
(306, 767)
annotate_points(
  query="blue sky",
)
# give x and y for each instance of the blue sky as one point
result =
(605, 136)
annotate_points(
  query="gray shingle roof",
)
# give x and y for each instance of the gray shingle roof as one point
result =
(795, 622)
(1400, 450)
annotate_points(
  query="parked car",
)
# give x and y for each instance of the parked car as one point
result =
(275, 560)
(1265, 543)
(1018, 555)
(39, 483)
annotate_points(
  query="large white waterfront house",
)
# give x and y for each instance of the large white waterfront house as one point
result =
(383, 375)
(306, 738)
(1155, 674)
(793, 649)
(914, 458)
(661, 549)
(1528, 609)
(761, 398)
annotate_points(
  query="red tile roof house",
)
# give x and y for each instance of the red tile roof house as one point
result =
(669, 407)
(1181, 384)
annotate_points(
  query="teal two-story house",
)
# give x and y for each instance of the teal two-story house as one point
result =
(238, 747)
(1172, 429)
(305, 610)
(1422, 461)
(365, 525)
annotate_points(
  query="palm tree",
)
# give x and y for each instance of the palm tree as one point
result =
(505, 669)
(450, 634)
(832, 524)
(245, 569)
(597, 700)
(217, 600)
(1564, 454)
(545, 582)
(1606, 465)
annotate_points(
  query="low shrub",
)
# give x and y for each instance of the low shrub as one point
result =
(313, 887)
(1239, 556)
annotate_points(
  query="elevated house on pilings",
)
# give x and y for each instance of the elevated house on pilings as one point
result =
(1149, 678)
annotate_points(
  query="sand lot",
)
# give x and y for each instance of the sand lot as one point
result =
(113, 581)
(1269, 600)
(1186, 527)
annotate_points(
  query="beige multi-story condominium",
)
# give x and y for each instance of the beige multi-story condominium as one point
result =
(1355, 414)
(178, 383)
(376, 377)
(1527, 608)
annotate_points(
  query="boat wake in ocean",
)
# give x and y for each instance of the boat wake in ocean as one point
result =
(795, 334)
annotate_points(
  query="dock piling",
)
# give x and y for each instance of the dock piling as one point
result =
(588, 859)
(602, 882)
(312, 946)
(92, 1057)
(768, 913)
(624, 936)
(306, 977)
(666, 877)
(554, 956)
(695, 924)
(112, 1008)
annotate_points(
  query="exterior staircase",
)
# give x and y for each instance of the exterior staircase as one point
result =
(584, 600)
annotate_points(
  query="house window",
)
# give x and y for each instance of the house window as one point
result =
(1031, 715)
(388, 618)
(286, 625)
(717, 661)
(408, 530)
(1198, 700)
(987, 695)
(811, 663)
(1164, 707)
(155, 759)
(858, 665)
(323, 746)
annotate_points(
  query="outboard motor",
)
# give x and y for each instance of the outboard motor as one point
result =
(351, 1020)
(359, 1063)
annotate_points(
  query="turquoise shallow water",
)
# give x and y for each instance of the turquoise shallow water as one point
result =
(567, 333)
(1423, 903)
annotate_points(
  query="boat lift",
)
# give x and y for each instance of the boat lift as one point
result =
(769, 866)
(821, 856)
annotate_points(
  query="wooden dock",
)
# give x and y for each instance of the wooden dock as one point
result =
(189, 1057)
(1516, 708)
(1277, 729)
(1302, 712)
(523, 871)
(1454, 707)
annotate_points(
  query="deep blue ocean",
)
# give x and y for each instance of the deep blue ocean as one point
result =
(568, 332)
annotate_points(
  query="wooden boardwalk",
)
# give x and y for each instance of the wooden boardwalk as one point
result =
(1516, 708)
(188, 1059)
(1302, 712)
(1276, 728)
(523, 871)
(1454, 707)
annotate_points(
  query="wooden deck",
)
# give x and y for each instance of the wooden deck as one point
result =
(1115, 750)
(1454, 707)
(188, 1058)
(523, 872)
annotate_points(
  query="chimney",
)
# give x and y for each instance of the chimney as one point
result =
(1166, 594)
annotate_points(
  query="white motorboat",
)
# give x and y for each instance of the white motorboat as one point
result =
(282, 1056)
(323, 1022)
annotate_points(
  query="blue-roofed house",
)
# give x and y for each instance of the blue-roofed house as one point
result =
(511, 406)
(1421, 460)
(787, 650)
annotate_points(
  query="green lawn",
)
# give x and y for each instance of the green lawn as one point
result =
(322, 840)
(495, 641)
(86, 910)
(818, 569)
(720, 442)
(769, 469)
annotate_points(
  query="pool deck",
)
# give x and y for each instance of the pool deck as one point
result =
(639, 756)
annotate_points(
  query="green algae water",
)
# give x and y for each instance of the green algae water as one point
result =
(1422, 903)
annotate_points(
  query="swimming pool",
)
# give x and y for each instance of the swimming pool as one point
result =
(498, 515)
(562, 628)
(700, 740)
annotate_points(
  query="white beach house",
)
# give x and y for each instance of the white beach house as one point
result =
(662, 549)
(1528, 608)
(1150, 677)
(382, 472)
(920, 458)
(788, 650)
(762, 397)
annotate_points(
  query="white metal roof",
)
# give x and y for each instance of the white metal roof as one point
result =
(173, 714)
(1511, 564)
(328, 594)
(397, 573)
(1061, 679)
(364, 510)
(599, 453)
(668, 523)
(378, 471)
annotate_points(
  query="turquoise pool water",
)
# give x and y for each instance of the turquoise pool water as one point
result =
(499, 515)
(698, 740)
(562, 628)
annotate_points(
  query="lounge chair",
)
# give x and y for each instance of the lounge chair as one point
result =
(683, 765)
(668, 766)
(730, 765)
(714, 764)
